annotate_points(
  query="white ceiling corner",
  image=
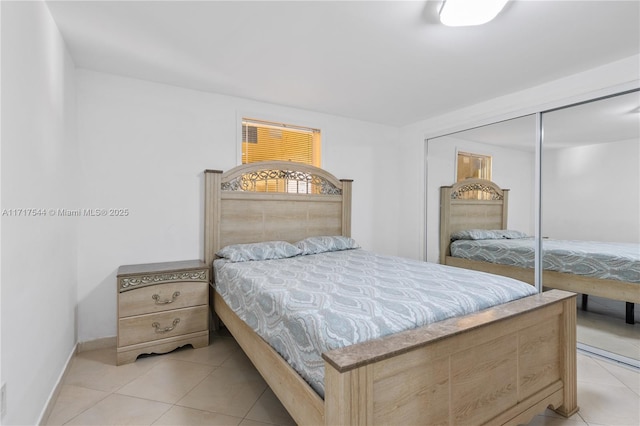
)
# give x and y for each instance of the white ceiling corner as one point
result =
(388, 62)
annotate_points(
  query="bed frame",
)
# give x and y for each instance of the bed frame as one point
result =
(461, 209)
(502, 365)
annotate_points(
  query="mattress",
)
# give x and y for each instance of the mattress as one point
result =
(306, 305)
(613, 261)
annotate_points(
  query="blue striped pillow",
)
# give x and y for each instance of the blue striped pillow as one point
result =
(313, 245)
(258, 251)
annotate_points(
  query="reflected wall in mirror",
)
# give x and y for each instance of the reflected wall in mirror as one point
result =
(590, 216)
(511, 146)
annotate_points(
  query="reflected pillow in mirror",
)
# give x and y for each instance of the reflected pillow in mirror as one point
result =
(487, 234)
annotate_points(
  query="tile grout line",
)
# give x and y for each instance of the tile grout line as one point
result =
(602, 362)
(108, 394)
(254, 404)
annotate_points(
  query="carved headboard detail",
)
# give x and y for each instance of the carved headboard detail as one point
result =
(285, 181)
(476, 189)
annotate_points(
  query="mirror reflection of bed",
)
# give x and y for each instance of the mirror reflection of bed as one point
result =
(591, 191)
(590, 187)
(475, 235)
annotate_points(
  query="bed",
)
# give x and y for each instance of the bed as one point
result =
(501, 365)
(609, 270)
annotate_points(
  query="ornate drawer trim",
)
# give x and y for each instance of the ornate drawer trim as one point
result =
(143, 280)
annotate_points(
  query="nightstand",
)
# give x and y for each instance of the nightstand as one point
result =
(162, 306)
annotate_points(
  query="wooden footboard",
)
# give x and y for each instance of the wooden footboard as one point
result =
(503, 365)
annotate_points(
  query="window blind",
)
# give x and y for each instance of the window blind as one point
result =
(268, 141)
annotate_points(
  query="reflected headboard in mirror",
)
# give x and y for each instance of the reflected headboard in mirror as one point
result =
(470, 204)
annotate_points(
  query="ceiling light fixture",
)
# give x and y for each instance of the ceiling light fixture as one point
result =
(461, 13)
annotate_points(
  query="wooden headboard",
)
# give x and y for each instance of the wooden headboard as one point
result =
(470, 204)
(273, 200)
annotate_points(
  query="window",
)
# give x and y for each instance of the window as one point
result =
(268, 141)
(473, 166)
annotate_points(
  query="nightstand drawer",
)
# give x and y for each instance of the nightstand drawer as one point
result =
(146, 328)
(162, 297)
(161, 307)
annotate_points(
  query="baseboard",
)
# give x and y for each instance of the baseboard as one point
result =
(51, 401)
(103, 343)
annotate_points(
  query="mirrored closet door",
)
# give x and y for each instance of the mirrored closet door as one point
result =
(503, 152)
(590, 199)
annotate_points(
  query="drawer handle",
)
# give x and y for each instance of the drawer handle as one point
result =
(156, 297)
(166, 329)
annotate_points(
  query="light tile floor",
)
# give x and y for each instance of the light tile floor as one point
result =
(218, 385)
(603, 326)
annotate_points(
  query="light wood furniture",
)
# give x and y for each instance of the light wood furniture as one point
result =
(500, 366)
(162, 306)
(459, 213)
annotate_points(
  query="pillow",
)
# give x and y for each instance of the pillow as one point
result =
(313, 245)
(511, 234)
(258, 251)
(487, 234)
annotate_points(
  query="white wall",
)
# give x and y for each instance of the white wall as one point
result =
(512, 169)
(592, 192)
(39, 170)
(611, 78)
(144, 147)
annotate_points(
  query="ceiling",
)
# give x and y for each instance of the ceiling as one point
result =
(388, 62)
(611, 119)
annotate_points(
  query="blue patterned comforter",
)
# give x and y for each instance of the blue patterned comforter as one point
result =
(306, 305)
(614, 261)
